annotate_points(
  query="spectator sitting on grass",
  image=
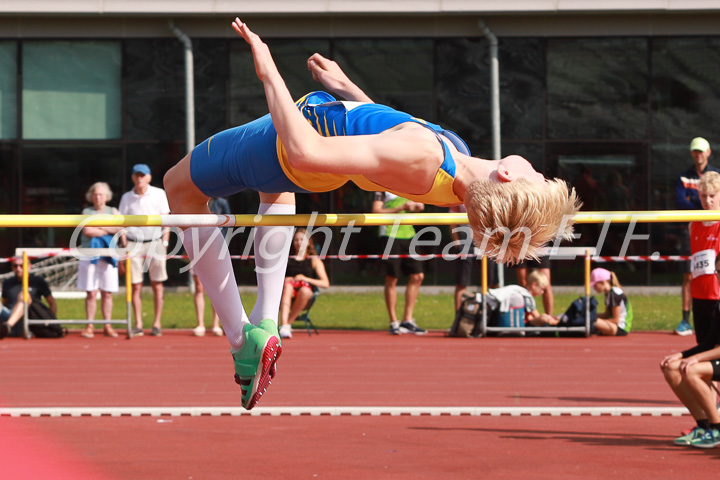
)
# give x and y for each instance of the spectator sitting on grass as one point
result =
(617, 318)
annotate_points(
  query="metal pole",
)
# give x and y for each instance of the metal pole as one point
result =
(587, 293)
(26, 294)
(494, 108)
(494, 88)
(128, 296)
(189, 86)
(483, 322)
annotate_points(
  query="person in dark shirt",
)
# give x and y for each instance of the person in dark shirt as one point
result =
(305, 273)
(13, 301)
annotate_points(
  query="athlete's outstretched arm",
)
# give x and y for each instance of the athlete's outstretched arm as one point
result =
(297, 135)
(413, 152)
(329, 73)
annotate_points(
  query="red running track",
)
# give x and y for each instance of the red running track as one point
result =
(350, 369)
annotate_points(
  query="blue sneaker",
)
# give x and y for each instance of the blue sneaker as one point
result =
(709, 439)
(687, 439)
(684, 328)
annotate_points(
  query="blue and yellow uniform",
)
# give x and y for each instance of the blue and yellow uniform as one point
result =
(251, 156)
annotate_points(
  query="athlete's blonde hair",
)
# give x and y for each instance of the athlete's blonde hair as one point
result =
(512, 221)
(709, 182)
(538, 278)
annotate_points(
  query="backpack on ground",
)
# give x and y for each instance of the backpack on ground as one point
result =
(39, 311)
(574, 316)
(468, 317)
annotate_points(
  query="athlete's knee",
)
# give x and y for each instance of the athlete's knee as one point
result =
(183, 195)
(172, 182)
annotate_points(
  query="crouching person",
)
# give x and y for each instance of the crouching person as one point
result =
(504, 297)
(689, 374)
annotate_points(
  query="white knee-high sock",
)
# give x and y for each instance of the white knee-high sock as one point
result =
(210, 258)
(272, 249)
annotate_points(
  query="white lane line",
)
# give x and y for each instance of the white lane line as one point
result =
(337, 411)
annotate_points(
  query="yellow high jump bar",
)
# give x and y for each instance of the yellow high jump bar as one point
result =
(327, 219)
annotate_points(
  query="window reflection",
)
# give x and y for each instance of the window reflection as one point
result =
(8, 90)
(55, 179)
(71, 90)
(597, 88)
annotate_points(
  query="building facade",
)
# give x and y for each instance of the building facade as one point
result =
(607, 97)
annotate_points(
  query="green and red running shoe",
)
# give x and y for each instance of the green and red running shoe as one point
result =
(271, 327)
(254, 363)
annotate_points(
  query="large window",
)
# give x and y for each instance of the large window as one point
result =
(394, 72)
(55, 179)
(463, 89)
(685, 85)
(597, 89)
(8, 90)
(71, 90)
(247, 96)
(154, 90)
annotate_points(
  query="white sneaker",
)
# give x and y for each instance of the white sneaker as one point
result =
(199, 331)
(285, 331)
(218, 331)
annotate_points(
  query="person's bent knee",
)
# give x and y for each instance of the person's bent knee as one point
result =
(171, 182)
(299, 303)
(668, 368)
(183, 195)
(671, 372)
(304, 293)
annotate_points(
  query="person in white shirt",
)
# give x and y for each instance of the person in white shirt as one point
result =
(147, 245)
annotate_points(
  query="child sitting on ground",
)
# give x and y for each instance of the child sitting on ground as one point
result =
(617, 318)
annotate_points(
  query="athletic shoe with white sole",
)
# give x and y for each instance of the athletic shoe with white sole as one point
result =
(411, 327)
(199, 331)
(253, 363)
(684, 328)
(687, 439)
